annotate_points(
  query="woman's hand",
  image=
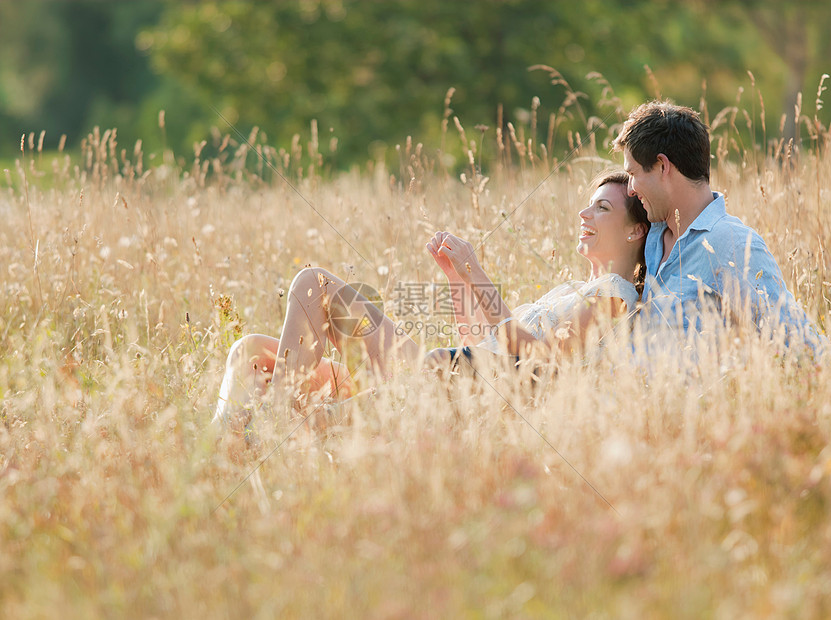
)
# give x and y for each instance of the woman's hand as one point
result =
(455, 256)
(444, 263)
(480, 303)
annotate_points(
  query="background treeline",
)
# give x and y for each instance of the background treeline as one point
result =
(372, 73)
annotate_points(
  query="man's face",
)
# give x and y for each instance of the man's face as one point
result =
(646, 186)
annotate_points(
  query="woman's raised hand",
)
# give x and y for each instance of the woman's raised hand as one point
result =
(441, 260)
(455, 256)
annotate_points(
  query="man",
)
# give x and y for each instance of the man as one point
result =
(698, 258)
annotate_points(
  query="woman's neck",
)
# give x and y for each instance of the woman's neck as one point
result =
(624, 268)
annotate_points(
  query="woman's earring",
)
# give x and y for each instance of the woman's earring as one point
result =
(629, 238)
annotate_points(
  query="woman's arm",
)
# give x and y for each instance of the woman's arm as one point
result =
(489, 307)
(568, 337)
(470, 321)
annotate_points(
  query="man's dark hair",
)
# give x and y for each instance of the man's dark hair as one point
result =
(661, 127)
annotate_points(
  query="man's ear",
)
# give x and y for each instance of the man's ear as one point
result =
(665, 163)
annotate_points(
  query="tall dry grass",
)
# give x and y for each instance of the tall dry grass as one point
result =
(700, 490)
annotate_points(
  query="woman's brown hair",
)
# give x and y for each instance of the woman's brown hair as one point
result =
(636, 212)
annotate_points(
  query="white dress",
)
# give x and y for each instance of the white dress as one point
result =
(558, 304)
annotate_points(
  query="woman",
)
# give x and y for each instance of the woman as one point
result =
(612, 235)
(323, 309)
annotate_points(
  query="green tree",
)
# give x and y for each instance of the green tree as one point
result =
(794, 36)
(375, 72)
(379, 71)
(70, 65)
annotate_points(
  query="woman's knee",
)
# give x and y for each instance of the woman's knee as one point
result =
(255, 351)
(309, 277)
(237, 352)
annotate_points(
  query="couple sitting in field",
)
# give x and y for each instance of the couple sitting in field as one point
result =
(691, 259)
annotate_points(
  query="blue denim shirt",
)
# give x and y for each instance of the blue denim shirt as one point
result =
(718, 264)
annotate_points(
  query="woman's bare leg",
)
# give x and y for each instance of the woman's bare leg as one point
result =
(248, 371)
(322, 308)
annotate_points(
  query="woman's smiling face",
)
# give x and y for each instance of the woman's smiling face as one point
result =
(604, 226)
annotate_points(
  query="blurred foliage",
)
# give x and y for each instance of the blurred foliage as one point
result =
(372, 73)
(70, 65)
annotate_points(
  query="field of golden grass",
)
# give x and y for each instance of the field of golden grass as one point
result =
(702, 490)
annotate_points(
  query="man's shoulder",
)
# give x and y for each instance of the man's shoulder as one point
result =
(731, 246)
(731, 229)
(738, 248)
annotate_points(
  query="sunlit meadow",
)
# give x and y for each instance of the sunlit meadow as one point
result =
(699, 490)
